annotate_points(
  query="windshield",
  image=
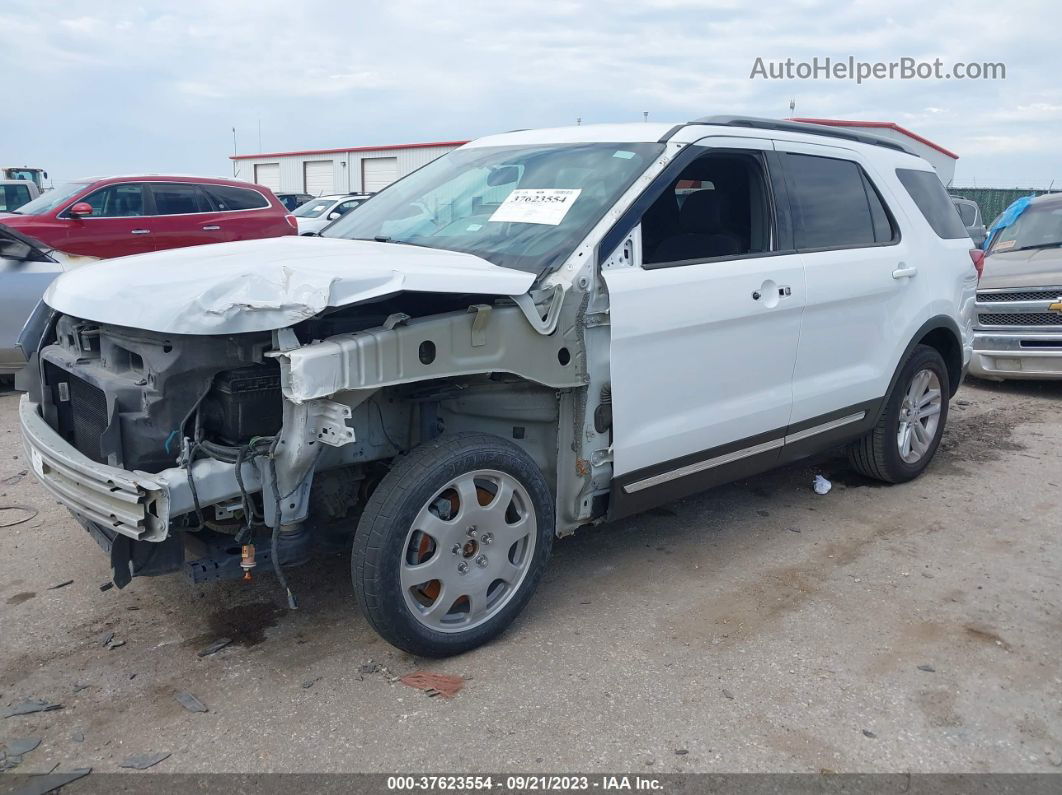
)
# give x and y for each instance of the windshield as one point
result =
(48, 201)
(1039, 226)
(523, 207)
(314, 208)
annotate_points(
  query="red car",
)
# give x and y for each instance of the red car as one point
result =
(116, 216)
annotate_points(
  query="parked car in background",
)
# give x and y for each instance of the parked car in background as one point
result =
(528, 335)
(16, 192)
(117, 216)
(1018, 331)
(27, 267)
(293, 200)
(318, 213)
(970, 213)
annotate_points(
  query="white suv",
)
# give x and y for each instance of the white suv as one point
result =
(538, 331)
(316, 214)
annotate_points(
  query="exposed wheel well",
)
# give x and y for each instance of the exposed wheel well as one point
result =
(949, 347)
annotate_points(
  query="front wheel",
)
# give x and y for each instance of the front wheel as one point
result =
(452, 544)
(902, 444)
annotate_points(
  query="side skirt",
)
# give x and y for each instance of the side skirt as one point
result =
(651, 486)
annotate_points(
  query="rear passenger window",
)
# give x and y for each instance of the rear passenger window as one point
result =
(929, 194)
(179, 200)
(834, 204)
(227, 197)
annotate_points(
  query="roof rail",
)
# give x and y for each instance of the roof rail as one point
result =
(800, 127)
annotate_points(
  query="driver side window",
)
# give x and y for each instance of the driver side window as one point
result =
(116, 201)
(717, 207)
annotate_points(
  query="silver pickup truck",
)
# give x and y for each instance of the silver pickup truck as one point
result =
(1018, 331)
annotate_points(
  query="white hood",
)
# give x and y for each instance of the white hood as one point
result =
(258, 285)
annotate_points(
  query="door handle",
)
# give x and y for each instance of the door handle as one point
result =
(141, 231)
(211, 228)
(903, 271)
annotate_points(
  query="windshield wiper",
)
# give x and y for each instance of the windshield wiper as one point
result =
(1053, 244)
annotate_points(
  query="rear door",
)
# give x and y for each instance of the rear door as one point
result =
(705, 307)
(183, 216)
(117, 226)
(861, 286)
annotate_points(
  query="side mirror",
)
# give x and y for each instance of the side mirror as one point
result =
(80, 209)
(333, 215)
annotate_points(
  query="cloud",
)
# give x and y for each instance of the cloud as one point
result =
(158, 86)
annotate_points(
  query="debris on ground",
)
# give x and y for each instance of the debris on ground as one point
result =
(114, 644)
(681, 751)
(63, 584)
(77, 736)
(869, 733)
(30, 514)
(434, 684)
(79, 686)
(308, 683)
(821, 485)
(929, 669)
(29, 706)
(376, 668)
(214, 647)
(52, 781)
(106, 638)
(144, 761)
(793, 529)
(728, 694)
(11, 480)
(106, 586)
(12, 751)
(190, 702)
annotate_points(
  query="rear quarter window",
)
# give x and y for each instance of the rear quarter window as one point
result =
(925, 188)
(227, 197)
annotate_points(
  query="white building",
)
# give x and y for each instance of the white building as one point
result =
(356, 169)
(936, 155)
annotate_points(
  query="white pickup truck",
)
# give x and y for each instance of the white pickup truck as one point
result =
(16, 192)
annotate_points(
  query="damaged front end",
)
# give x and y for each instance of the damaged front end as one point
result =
(214, 454)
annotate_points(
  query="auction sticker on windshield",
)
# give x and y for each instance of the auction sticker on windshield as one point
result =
(536, 205)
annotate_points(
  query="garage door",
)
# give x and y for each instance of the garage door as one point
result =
(317, 177)
(378, 172)
(267, 174)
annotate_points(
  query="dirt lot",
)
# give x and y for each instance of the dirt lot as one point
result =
(757, 627)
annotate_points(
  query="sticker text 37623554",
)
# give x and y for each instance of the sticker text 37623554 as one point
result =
(536, 205)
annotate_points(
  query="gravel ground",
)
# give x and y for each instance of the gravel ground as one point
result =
(758, 627)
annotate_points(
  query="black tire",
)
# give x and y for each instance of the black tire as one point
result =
(381, 538)
(877, 454)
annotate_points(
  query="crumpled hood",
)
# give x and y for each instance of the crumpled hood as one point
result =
(1038, 267)
(258, 285)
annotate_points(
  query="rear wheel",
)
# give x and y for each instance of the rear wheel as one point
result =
(452, 544)
(902, 444)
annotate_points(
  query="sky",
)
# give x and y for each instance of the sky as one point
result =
(97, 88)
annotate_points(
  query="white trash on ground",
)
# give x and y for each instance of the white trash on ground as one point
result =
(821, 485)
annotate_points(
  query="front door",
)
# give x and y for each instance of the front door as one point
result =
(705, 322)
(117, 226)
